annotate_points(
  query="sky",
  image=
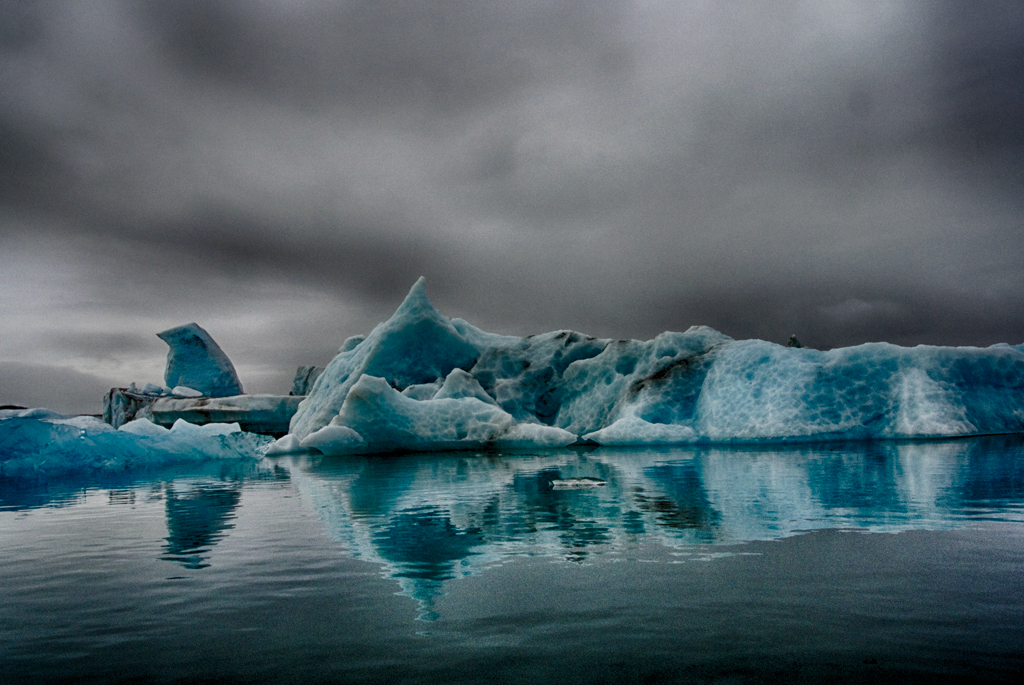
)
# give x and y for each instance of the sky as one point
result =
(282, 172)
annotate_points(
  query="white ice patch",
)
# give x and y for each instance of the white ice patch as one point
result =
(927, 408)
(635, 431)
(524, 435)
(331, 440)
(423, 391)
(184, 391)
(150, 389)
(284, 445)
(460, 384)
(182, 427)
(144, 427)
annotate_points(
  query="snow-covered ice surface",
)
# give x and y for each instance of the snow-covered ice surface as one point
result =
(37, 443)
(422, 381)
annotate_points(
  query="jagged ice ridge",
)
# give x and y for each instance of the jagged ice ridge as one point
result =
(422, 381)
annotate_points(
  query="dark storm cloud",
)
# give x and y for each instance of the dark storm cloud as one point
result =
(441, 54)
(283, 172)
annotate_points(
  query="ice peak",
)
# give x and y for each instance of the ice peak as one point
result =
(416, 303)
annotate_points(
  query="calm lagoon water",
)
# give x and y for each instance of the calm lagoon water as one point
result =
(873, 562)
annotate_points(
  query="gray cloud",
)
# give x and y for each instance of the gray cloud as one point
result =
(443, 55)
(282, 173)
(61, 388)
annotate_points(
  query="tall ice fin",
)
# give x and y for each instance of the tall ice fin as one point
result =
(197, 362)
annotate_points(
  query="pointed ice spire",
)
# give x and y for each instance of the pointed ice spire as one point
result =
(416, 303)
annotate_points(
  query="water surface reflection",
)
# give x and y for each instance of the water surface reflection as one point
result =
(197, 519)
(428, 519)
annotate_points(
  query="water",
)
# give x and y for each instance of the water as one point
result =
(854, 563)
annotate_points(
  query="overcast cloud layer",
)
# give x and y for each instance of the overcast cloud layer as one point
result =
(282, 172)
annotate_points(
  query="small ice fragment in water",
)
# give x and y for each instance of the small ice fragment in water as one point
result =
(573, 483)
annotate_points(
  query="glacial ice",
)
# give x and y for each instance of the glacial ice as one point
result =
(197, 362)
(376, 417)
(422, 381)
(37, 443)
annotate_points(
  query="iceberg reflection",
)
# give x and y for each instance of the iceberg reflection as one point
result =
(197, 519)
(429, 519)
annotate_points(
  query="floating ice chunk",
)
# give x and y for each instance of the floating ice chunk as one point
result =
(577, 483)
(150, 389)
(633, 430)
(196, 361)
(32, 413)
(287, 444)
(332, 440)
(184, 391)
(182, 427)
(524, 435)
(41, 448)
(89, 423)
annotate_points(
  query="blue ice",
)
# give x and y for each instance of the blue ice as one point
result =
(41, 443)
(422, 381)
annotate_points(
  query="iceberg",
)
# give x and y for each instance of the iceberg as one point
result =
(197, 363)
(39, 443)
(422, 381)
